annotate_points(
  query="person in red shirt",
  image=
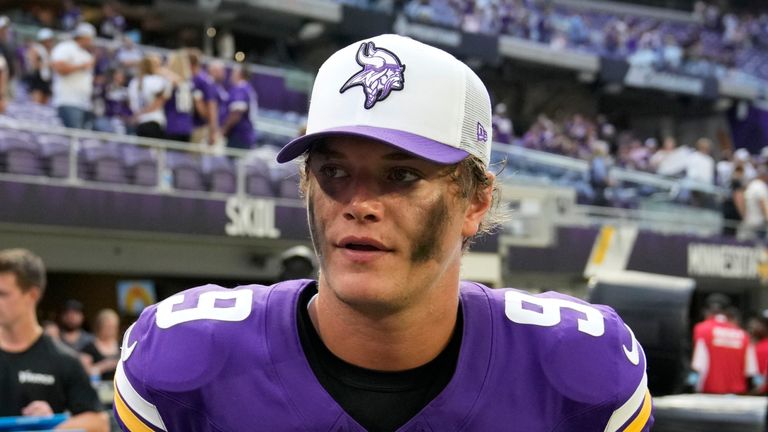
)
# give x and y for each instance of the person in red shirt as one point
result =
(723, 355)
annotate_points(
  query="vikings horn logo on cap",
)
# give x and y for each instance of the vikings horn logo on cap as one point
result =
(382, 72)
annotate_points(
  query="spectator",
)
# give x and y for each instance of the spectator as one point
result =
(7, 49)
(116, 105)
(241, 108)
(40, 376)
(756, 206)
(180, 106)
(723, 356)
(672, 53)
(71, 324)
(205, 117)
(502, 124)
(669, 159)
(71, 16)
(129, 56)
(147, 94)
(733, 206)
(742, 157)
(39, 72)
(102, 354)
(599, 172)
(112, 22)
(758, 328)
(73, 78)
(701, 169)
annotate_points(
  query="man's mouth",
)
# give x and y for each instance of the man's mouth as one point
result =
(361, 247)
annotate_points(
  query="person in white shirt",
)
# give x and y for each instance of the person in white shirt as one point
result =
(72, 64)
(755, 206)
(147, 94)
(701, 166)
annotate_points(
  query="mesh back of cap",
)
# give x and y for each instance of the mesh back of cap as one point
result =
(477, 108)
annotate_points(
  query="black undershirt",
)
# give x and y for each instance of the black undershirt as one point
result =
(379, 401)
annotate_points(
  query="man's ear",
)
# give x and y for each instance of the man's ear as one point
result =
(479, 204)
(36, 293)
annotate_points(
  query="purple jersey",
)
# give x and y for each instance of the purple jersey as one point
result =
(116, 101)
(179, 109)
(241, 97)
(215, 359)
(202, 89)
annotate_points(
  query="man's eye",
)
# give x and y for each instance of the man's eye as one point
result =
(331, 171)
(403, 175)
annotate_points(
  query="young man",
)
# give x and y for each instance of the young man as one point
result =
(38, 376)
(396, 182)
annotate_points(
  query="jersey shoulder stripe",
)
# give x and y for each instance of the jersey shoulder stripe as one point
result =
(131, 408)
(633, 407)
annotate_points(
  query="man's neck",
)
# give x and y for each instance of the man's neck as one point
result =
(19, 336)
(399, 341)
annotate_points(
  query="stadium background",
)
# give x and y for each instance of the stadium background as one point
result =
(229, 219)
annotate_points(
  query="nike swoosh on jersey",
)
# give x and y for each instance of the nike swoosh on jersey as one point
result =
(126, 350)
(633, 355)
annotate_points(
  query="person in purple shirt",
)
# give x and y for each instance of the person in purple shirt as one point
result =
(395, 173)
(240, 109)
(116, 104)
(205, 116)
(180, 106)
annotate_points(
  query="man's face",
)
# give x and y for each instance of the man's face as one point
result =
(71, 319)
(85, 42)
(217, 72)
(387, 226)
(14, 303)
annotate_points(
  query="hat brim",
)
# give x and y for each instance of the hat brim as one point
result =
(416, 145)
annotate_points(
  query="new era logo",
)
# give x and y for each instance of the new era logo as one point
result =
(482, 135)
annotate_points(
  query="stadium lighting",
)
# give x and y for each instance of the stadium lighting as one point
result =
(210, 32)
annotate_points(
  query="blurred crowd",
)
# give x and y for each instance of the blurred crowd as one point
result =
(712, 44)
(118, 87)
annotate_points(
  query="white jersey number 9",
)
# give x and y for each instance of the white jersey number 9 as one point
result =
(206, 308)
(550, 315)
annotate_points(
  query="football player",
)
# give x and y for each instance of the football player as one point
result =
(396, 181)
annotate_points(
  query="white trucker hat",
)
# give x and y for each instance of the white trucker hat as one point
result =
(404, 93)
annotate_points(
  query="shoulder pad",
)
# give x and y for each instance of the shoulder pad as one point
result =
(586, 351)
(184, 341)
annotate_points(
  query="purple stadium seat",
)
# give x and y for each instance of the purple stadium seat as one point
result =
(286, 178)
(21, 156)
(55, 152)
(221, 173)
(141, 163)
(288, 187)
(187, 170)
(257, 179)
(102, 162)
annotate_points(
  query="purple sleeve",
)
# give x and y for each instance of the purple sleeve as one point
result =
(174, 349)
(202, 88)
(608, 370)
(237, 96)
